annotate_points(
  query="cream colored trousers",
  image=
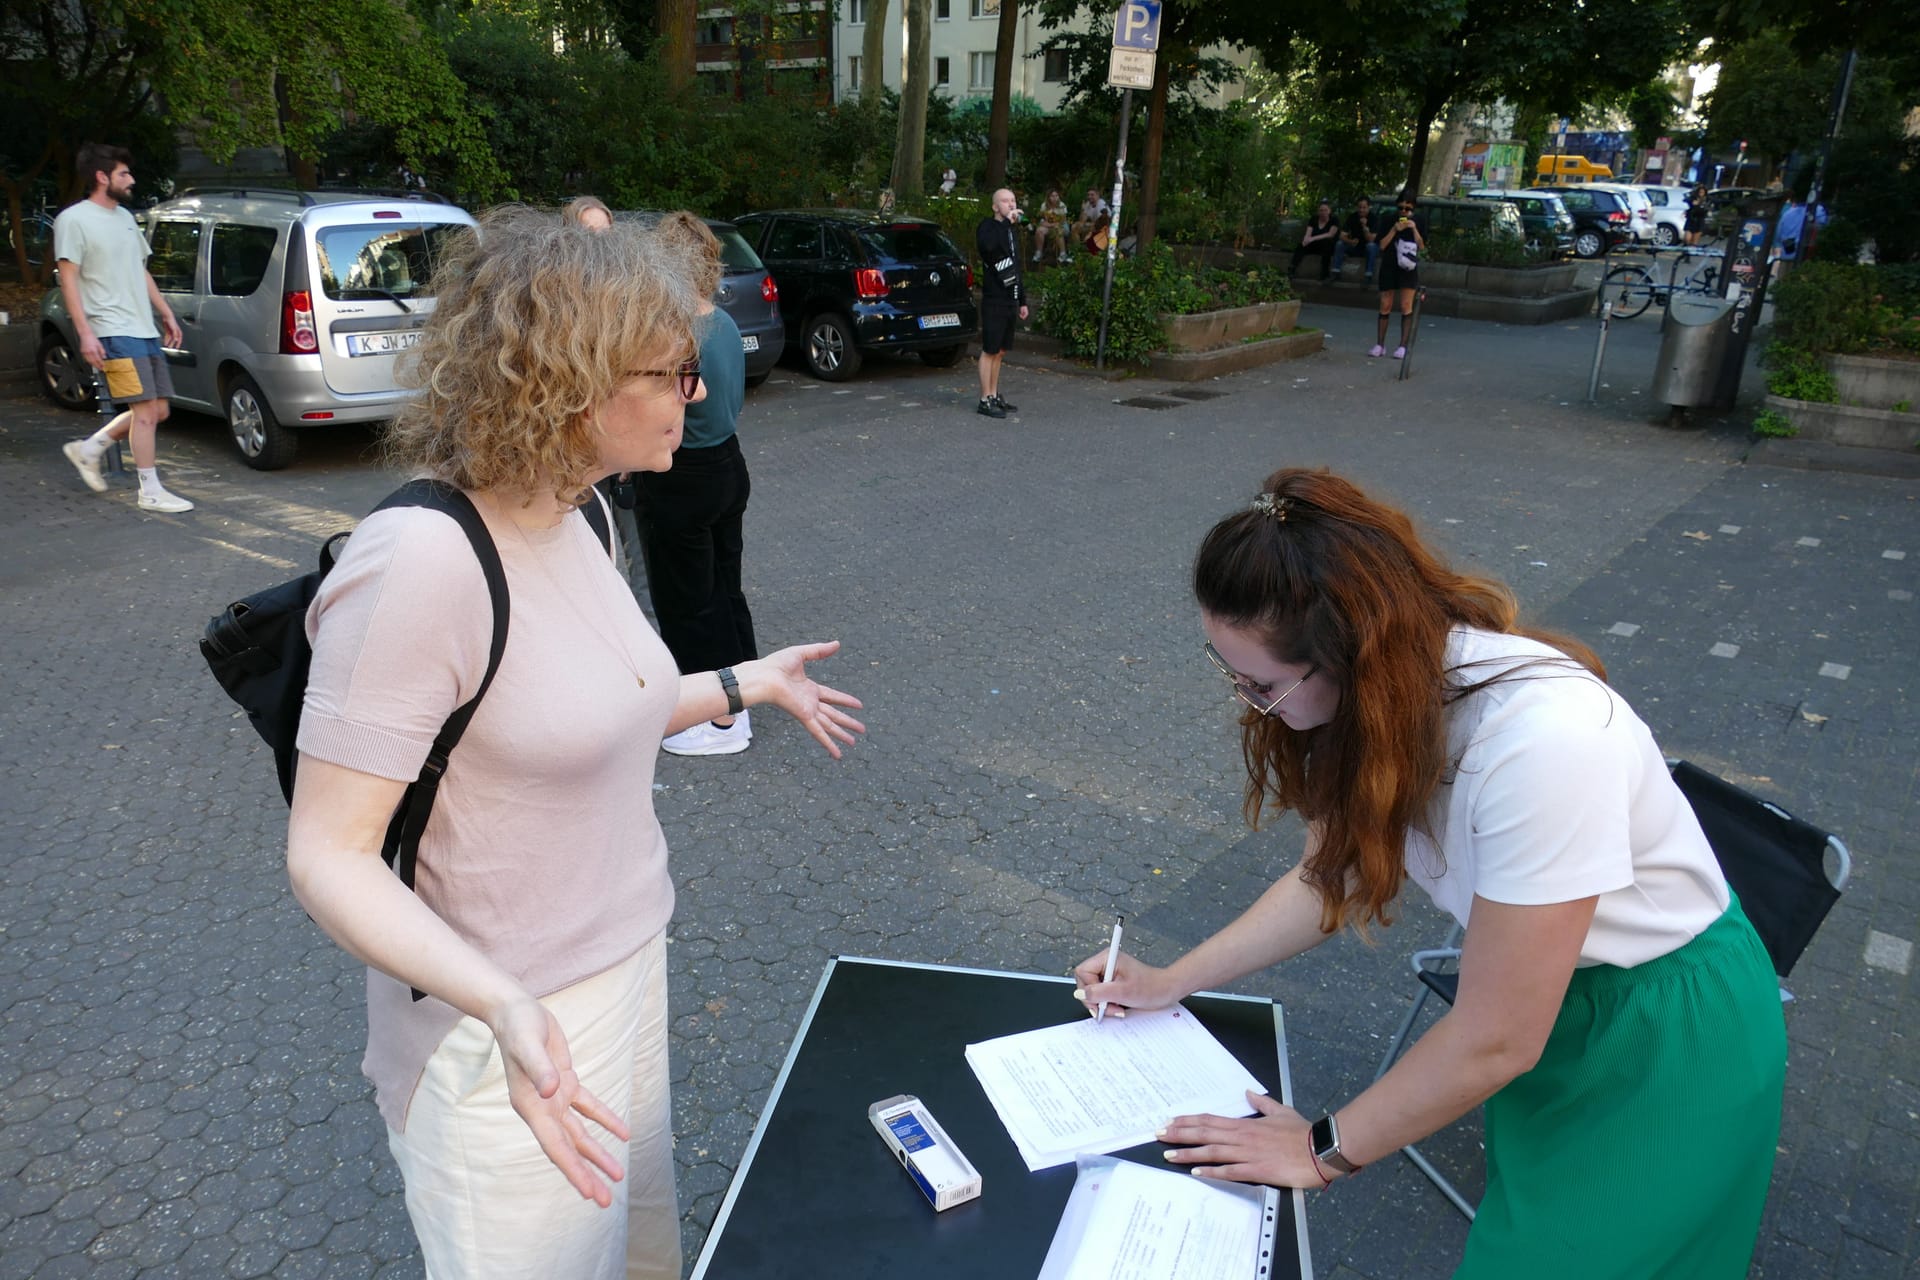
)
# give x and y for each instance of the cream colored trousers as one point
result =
(486, 1202)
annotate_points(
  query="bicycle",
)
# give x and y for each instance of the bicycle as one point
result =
(1632, 288)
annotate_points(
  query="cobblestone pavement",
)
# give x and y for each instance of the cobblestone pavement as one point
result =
(179, 1088)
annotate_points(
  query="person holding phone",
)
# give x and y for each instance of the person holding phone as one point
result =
(1617, 1014)
(1399, 274)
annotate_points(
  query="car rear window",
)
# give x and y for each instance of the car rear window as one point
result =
(907, 242)
(735, 253)
(371, 260)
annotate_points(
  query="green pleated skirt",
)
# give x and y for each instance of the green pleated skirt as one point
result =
(1641, 1145)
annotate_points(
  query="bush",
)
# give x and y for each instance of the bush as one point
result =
(1826, 307)
(1798, 375)
(1143, 287)
(1771, 422)
(1481, 249)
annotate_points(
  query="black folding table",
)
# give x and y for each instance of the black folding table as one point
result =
(817, 1193)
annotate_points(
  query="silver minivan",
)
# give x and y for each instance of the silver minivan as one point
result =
(294, 307)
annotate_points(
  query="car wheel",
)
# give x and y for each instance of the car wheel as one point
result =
(755, 379)
(830, 353)
(943, 357)
(1664, 234)
(262, 441)
(65, 378)
(1589, 244)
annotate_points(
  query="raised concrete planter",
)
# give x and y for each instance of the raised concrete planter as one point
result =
(1521, 282)
(1462, 303)
(1443, 275)
(1232, 324)
(18, 344)
(1191, 366)
(1849, 425)
(1874, 382)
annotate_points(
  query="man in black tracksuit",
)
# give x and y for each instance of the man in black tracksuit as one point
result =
(1003, 297)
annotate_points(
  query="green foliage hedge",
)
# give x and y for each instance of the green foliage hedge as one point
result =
(1144, 286)
(1830, 307)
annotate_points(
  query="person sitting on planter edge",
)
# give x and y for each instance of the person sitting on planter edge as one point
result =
(1357, 234)
(1318, 240)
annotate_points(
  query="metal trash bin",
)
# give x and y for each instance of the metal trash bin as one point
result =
(1693, 345)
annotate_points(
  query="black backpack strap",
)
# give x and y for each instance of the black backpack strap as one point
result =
(595, 510)
(402, 846)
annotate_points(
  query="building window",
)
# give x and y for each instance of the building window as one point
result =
(942, 10)
(713, 31)
(857, 12)
(980, 70)
(983, 8)
(943, 70)
(1056, 67)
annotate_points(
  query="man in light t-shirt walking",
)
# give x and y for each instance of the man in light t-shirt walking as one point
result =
(112, 301)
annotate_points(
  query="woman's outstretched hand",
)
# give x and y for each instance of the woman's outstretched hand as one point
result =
(781, 679)
(1273, 1147)
(548, 1095)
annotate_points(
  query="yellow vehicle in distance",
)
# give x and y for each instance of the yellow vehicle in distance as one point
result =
(1569, 169)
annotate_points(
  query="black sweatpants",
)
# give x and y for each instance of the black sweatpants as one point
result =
(690, 521)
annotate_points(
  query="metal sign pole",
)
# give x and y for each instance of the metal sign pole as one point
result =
(1113, 227)
(1599, 351)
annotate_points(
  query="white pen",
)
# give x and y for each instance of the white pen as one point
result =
(1113, 953)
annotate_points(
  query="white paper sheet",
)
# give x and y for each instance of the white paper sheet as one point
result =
(1087, 1086)
(1128, 1222)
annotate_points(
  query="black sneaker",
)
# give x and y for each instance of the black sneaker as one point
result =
(1001, 401)
(989, 409)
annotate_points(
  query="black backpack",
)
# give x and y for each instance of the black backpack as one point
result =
(258, 651)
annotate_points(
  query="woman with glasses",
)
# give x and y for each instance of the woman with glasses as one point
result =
(529, 1080)
(1616, 1014)
(692, 515)
(1401, 245)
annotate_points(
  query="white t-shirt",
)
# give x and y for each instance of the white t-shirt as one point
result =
(107, 246)
(1561, 793)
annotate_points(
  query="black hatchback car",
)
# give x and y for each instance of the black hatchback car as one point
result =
(1601, 219)
(851, 282)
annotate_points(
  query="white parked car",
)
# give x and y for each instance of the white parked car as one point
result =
(1669, 211)
(1639, 207)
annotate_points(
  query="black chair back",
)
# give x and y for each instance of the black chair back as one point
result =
(1773, 860)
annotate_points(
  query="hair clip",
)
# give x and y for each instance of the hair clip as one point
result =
(1274, 505)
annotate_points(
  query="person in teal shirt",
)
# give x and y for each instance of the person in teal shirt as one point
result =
(691, 517)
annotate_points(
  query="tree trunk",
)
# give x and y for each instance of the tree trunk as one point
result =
(1150, 163)
(676, 21)
(1444, 161)
(1429, 112)
(17, 220)
(1002, 94)
(910, 150)
(873, 51)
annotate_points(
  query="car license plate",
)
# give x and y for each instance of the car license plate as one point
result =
(382, 344)
(944, 320)
(749, 342)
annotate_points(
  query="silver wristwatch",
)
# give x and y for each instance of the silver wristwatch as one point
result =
(1325, 1140)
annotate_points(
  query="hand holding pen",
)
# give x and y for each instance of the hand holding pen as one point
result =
(1129, 984)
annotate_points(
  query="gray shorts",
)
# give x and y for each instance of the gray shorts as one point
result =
(136, 370)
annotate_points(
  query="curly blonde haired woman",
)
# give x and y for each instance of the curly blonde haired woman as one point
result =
(533, 1077)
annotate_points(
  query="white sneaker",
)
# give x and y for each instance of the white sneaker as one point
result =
(160, 500)
(709, 739)
(87, 462)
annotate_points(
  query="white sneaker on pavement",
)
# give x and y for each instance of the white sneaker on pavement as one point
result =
(87, 462)
(709, 739)
(1378, 350)
(160, 500)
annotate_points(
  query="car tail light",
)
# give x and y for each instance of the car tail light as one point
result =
(769, 291)
(870, 282)
(969, 277)
(1616, 216)
(318, 415)
(298, 336)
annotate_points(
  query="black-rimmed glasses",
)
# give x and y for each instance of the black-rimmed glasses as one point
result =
(688, 371)
(1250, 692)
